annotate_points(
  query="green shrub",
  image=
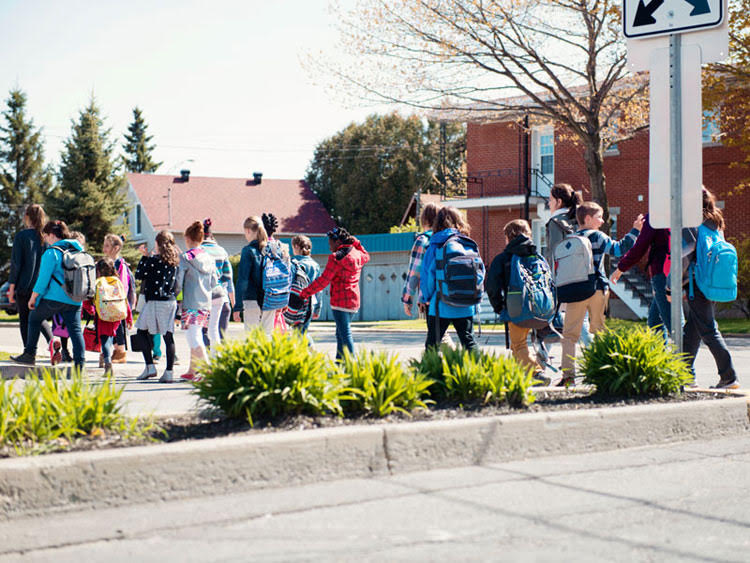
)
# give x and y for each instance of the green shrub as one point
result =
(379, 385)
(269, 376)
(633, 363)
(463, 376)
(49, 407)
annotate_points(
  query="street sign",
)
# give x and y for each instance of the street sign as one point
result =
(660, 167)
(646, 18)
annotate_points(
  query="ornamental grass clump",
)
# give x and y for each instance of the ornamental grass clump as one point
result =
(633, 362)
(48, 411)
(378, 384)
(269, 376)
(476, 377)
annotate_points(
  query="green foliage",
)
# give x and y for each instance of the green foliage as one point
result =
(90, 196)
(633, 363)
(366, 174)
(24, 178)
(409, 227)
(137, 149)
(743, 275)
(378, 384)
(47, 408)
(269, 376)
(235, 262)
(464, 376)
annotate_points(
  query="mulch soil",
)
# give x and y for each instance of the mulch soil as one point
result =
(212, 424)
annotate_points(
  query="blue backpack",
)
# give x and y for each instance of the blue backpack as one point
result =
(459, 272)
(530, 298)
(715, 267)
(277, 278)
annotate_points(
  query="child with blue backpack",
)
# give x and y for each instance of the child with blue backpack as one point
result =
(712, 278)
(592, 292)
(305, 270)
(505, 286)
(452, 280)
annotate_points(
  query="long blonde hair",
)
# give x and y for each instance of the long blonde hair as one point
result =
(255, 224)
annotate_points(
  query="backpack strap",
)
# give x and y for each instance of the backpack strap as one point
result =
(691, 290)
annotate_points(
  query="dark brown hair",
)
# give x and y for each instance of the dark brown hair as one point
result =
(303, 243)
(167, 248)
(568, 196)
(517, 227)
(587, 209)
(37, 218)
(429, 212)
(57, 228)
(195, 232)
(710, 211)
(450, 218)
(105, 267)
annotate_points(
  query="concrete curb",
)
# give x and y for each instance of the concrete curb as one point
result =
(62, 482)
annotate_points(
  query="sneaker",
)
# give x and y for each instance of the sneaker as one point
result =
(727, 384)
(187, 377)
(148, 372)
(24, 358)
(55, 356)
(66, 357)
(540, 379)
(156, 357)
(168, 376)
(568, 381)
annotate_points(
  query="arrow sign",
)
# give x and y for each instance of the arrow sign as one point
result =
(644, 18)
(644, 15)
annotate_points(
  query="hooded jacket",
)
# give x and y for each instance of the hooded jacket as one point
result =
(25, 259)
(196, 278)
(249, 278)
(51, 276)
(342, 271)
(498, 276)
(428, 283)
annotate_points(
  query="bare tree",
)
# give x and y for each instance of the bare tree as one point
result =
(554, 60)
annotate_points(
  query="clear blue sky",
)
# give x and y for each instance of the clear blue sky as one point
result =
(220, 82)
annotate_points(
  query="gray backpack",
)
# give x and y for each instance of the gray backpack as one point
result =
(575, 277)
(79, 273)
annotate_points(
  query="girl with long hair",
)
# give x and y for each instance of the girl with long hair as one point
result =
(249, 288)
(158, 275)
(111, 247)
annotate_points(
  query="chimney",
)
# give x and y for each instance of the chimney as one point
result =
(257, 177)
(185, 175)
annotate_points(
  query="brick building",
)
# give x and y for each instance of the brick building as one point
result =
(510, 172)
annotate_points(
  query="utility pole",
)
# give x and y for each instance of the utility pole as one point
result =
(443, 164)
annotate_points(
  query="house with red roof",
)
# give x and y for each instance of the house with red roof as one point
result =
(158, 201)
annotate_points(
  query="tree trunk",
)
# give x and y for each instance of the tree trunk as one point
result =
(593, 156)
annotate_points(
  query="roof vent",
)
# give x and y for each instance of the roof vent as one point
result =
(257, 177)
(185, 175)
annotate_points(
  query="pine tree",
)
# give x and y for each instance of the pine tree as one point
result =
(24, 178)
(90, 196)
(137, 148)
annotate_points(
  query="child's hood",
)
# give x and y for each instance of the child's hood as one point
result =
(200, 260)
(521, 246)
(440, 237)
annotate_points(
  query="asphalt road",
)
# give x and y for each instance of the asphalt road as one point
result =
(161, 399)
(682, 502)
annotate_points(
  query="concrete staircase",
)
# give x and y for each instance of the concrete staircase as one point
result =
(634, 290)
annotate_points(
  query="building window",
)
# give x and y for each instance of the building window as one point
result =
(547, 153)
(711, 131)
(138, 218)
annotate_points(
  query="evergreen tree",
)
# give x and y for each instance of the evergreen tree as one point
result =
(90, 195)
(24, 178)
(137, 148)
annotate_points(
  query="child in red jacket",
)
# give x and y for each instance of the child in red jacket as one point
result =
(342, 271)
(106, 330)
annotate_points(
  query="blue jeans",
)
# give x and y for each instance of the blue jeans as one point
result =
(107, 345)
(344, 338)
(659, 312)
(701, 327)
(71, 315)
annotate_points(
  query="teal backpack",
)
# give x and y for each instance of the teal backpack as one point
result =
(715, 267)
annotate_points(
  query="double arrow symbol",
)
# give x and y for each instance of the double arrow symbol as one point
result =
(644, 14)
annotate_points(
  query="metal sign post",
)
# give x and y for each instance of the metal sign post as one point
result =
(675, 183)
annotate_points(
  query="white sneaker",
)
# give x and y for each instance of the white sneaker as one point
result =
(148, 372)
(168, 376)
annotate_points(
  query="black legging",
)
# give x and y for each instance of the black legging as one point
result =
(22, 304)
(168, 342)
